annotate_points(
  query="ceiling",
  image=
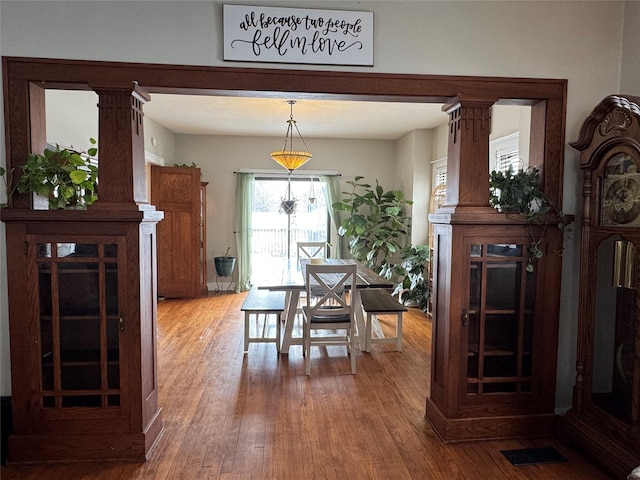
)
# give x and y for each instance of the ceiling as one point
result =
(243, 116)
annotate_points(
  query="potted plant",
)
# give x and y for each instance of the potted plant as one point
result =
(521, 193)
(376, 225)
(225, 264)
(413, 288)
(64, 176)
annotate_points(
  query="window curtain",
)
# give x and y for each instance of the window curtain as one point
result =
(244, 229)
(332, 192)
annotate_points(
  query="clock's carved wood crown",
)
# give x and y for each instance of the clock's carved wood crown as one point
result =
(615, 116)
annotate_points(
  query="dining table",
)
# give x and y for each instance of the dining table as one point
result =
(287, 274)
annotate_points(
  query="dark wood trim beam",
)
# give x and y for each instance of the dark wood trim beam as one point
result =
(155, 78)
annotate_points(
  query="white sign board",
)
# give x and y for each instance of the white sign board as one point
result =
(297, 35)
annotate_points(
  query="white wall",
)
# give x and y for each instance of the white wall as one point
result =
(630, 65)
(413, 177)
(579, 41)
(220, 156)
(72, 118)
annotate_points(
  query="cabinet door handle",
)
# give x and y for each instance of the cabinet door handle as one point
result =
(121, 322)
(465, 317)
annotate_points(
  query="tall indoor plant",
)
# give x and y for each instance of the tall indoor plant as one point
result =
(376, 224)
(413, 287)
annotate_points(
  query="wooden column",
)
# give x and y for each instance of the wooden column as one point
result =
(468, 156)
(121, 147)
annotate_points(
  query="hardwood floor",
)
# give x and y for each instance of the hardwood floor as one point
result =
(230, 415)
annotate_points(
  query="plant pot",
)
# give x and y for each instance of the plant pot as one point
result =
(224, 265)
(288, 206)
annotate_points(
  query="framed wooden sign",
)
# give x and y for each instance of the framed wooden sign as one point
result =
(297, 35)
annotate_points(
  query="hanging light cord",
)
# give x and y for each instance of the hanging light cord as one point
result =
(289, 136)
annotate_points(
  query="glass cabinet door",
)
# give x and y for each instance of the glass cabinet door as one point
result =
(79, 322)
(499, 319)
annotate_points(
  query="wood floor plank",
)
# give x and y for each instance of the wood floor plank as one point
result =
(230, 415)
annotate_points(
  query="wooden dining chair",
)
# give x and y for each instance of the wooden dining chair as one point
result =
(330, 292)
(312, 250)
(308, 251)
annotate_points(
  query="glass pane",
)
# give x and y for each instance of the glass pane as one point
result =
(110, 251)
(501, 334)
(44, 249)
(500, 366)
(77, 322)
(275, 233)
(475, 286)
(82, 401)
(86, 250)
(79, 288)
(46, 323)
(80, 354)
(113, 338)
(80, 377)
(503, 285)
(504, 250)
(530, 290)
(111, 288)
(500, 331)
(614, 360)
(473, 364)
(65, 249)
(502, 387)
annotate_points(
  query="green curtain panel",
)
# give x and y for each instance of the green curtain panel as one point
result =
(332, 192)
(244, 229)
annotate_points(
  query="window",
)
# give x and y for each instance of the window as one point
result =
(275, 233)
(505, 154)
(439, 172)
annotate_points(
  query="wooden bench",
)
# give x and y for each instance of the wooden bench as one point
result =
(377, 301)
(262, 302)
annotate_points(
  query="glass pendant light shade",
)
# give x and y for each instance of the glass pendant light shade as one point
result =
(288, 157)
(291, 160)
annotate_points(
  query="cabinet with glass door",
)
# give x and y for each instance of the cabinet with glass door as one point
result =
(493, 372)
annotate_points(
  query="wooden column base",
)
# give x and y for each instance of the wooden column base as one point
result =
(489, 428)
(133, 447)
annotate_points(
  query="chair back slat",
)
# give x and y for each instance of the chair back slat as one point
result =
(312, 250)
(326, 286)
(331, 290)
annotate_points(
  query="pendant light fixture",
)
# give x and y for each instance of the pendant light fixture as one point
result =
(288, 157)
(291, 159)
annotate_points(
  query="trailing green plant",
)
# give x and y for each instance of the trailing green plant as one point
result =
(62, 175)
(413, 288)
(376, 224)
(521, 193)
(193, 165)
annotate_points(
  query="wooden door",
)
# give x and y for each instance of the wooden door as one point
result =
(177, 192)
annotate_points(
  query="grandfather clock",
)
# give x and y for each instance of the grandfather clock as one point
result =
(605, 416)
